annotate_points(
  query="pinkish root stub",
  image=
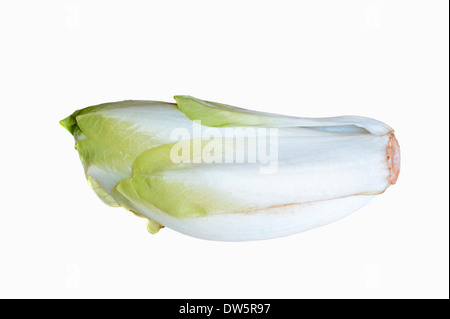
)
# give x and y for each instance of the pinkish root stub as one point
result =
(393, 158)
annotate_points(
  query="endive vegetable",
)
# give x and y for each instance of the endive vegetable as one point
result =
(219, 172)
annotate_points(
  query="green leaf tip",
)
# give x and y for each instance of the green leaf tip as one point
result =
(218, 114)
(69, 123)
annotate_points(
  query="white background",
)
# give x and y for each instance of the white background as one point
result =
(383, 59)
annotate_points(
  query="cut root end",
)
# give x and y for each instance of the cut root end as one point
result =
(393, 158)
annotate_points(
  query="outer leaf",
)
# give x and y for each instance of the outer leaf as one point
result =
(309, 169)
(222, 115)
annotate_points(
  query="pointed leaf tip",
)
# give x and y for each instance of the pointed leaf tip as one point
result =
(69, 123)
